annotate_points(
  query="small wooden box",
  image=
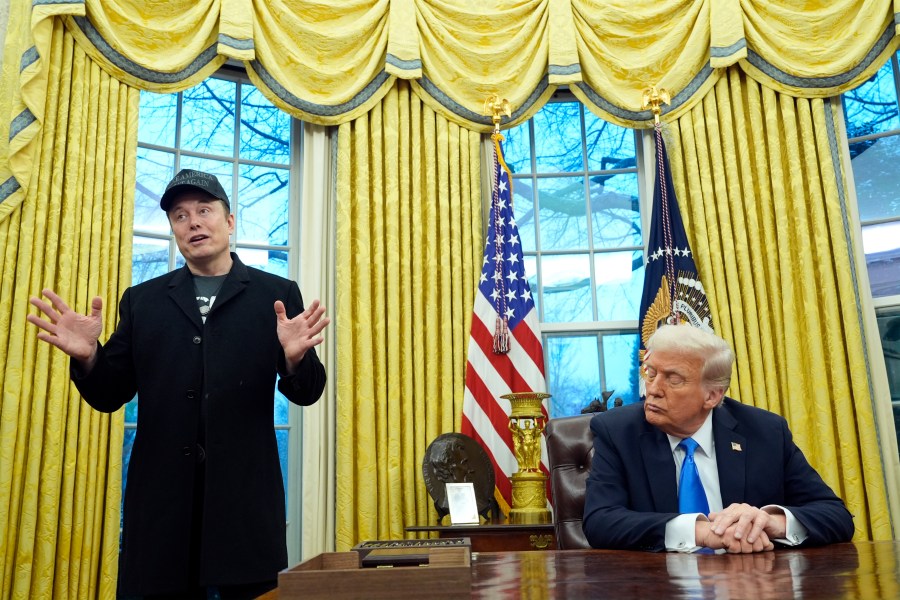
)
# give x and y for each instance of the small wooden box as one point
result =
(448, 574)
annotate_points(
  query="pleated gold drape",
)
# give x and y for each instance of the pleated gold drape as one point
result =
(409, 244)
(61, 461)
(758, 177)
(330, 63)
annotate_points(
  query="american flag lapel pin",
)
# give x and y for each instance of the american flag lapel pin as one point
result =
(736, 447)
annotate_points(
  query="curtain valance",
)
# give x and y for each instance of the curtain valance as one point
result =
(329, 64)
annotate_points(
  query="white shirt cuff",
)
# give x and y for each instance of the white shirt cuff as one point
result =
(794, 531)
(681, 533)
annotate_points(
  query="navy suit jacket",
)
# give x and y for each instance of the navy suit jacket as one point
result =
(632, 492)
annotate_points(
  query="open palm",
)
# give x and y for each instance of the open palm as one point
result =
(73, 333)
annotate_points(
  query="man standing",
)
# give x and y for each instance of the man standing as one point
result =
(689, 468)
(201, 346)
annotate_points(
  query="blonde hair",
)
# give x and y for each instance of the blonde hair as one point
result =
(717, 356)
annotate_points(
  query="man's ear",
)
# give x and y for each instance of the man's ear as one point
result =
(713, 397)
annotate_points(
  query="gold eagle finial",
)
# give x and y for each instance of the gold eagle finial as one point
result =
(653, 98)
(495, 108)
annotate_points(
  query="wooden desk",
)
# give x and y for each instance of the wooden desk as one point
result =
(497, 537)
(863, 570)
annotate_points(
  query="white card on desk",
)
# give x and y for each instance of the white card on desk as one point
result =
(462, 504)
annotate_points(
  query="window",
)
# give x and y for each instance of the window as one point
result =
(873, 129)
(223, 126)
(872, 116)
(577, 204)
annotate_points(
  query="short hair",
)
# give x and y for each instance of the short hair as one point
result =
(717, 356)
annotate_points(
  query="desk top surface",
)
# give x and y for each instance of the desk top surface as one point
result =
(862, 570)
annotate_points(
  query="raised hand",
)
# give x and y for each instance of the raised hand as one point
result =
(301, 333)
(73, 333)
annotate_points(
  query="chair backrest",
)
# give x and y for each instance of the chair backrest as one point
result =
(570, 448)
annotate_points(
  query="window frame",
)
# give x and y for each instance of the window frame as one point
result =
(644, 169)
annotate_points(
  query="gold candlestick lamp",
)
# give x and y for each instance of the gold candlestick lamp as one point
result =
(529, 484)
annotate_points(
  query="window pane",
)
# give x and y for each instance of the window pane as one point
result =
(523, 210)
(620, 283)
(881, 244)
(127, 445)
(281, 408)
(608, 146)
(615, 210)
(889, 327)
(573, 373)
(872, 107)
(157, 119)
(207, 123)
(877, 183)
(282, 436)
(563, 216)
(131, 411)
(270, 261)
(221, 169)
(557, 138)
(567, 288)
(265, 129)
(517, 149)
(154, 171)
(150, 258)
(620, 367)
(263, 206)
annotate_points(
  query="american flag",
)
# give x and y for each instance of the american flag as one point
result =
(505, 353)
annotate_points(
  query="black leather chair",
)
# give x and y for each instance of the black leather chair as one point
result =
(570, 449)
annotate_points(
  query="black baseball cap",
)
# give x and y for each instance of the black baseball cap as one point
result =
(189, 179)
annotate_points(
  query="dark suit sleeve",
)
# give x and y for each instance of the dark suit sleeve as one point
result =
(307, 383)
(111, 383)
(613, 518)
(810, 499)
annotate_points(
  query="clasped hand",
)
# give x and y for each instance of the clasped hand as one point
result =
(741, 528)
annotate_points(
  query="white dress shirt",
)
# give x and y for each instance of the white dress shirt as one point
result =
(680, 531)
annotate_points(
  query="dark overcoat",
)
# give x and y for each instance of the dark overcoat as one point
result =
(221, 374)
(632, 492)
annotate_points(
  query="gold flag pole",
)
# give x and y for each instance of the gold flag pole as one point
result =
(526, 418)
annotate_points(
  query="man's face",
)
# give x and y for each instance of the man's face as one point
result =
(202, 227)
(677, 400)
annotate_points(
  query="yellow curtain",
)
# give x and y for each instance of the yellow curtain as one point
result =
(760, 183)
(61, 461)
(409, 244)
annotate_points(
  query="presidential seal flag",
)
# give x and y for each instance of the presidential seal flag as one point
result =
(505, 353)
(672, 289)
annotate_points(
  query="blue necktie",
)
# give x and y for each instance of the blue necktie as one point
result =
(691, 497)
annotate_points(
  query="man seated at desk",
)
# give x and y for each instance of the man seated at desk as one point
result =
(689, 468)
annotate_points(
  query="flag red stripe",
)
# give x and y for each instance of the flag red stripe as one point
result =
(501, 481)
(498, 417)
(501, 362)
(531, 344)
